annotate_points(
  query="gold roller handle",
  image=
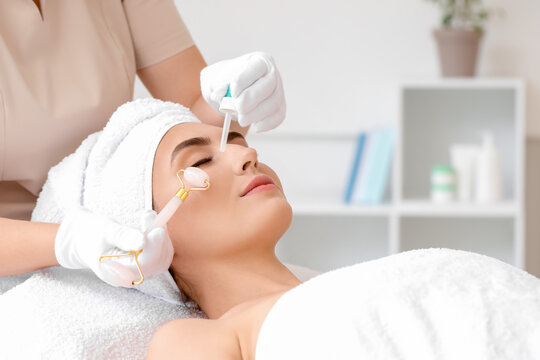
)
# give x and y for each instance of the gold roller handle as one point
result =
(135, 254)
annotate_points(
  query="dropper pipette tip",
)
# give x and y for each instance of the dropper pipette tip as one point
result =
(226, 106)
(225, 133)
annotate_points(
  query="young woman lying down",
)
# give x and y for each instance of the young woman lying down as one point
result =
(423, 304)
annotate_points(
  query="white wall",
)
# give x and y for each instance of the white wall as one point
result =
(340, 60)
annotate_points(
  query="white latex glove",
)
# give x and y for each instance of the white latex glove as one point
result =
(255, 87)
(158, 250)
(83, 237)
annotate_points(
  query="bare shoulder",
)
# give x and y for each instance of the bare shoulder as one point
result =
(194, 339)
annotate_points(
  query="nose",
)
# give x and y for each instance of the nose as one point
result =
(244, 158)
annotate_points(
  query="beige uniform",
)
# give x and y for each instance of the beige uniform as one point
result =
(63, 71)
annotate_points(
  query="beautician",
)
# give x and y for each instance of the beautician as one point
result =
(65, 66)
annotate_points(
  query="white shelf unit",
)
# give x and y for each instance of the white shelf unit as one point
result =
(314, 168)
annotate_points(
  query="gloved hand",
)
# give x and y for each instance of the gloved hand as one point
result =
(158, 250)
(255, 86)
(83, 237)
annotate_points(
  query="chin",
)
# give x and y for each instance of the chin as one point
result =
(276, 218)
(267, 221)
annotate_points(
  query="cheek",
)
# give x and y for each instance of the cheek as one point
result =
(165, 184)
(202, 219)
(218, 221)
(264, 218)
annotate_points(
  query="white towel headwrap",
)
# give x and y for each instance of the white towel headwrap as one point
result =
(111, 174)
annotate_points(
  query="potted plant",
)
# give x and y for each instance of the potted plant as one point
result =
(459, 36)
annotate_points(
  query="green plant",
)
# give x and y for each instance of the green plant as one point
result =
(462, 14)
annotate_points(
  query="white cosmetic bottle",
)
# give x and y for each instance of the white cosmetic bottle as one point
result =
(488, 172)
(463, 158)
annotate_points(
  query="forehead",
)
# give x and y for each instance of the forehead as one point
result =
(181, 132)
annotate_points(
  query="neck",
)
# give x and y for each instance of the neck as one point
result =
(218, 286)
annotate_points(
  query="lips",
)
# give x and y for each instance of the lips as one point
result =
(259, 183)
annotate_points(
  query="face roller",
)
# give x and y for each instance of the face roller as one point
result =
(195, 179)
(226, 106)
(193, 176)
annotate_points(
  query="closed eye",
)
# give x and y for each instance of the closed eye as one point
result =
(202, 161)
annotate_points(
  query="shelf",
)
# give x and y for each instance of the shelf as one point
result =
(310, 135)
(337, 209)
(426, 208)
(463, 83)
(409, 208)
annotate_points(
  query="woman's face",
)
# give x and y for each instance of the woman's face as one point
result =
(223, 220)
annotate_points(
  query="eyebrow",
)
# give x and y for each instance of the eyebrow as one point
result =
(201, 141)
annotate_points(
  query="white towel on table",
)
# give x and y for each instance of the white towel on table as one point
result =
(423, 304)
(59, 313)
(71, 314)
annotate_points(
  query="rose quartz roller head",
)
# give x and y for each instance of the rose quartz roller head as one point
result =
(195, 179)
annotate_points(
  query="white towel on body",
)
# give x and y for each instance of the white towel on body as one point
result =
(423, 304)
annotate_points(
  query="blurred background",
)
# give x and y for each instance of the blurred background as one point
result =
(369, 112)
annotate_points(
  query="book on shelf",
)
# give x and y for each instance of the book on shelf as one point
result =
(371, 168)
(357, 158)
